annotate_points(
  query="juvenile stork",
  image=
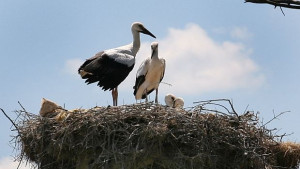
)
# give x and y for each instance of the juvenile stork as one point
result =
(110, 67)
(149, 75)
(173, 101)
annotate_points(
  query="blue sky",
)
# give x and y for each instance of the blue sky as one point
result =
(215, 49)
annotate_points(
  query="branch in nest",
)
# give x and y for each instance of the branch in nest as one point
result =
(213, 102)
(12, 122)
(293, 4)
(275, 117)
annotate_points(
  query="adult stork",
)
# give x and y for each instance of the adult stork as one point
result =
(149, 75)
(110, 67)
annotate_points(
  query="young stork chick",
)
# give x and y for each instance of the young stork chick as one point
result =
(149, 75)
(173, 101)
(110, 67)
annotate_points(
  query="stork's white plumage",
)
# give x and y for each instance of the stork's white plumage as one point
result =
(110, 67)
(173, 101)
(149, 75)
(169, 100)
(178, 102)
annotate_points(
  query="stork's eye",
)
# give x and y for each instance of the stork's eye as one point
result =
(140, 27)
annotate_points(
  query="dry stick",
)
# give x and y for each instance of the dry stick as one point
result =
(246, 109)
(218, 100)
(231, 105)
(24, 110)
(10, 120)
(281, 11)
(281, 3)
(294, 2)
(169, 84)
(275, 117)
(22, 106)
(16, 129)
(22, 155)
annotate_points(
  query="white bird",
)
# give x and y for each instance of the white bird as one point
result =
(110, 67)
(149, 75)
(173, 101)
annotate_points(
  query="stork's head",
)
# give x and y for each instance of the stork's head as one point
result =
(154, 45)
(139, 27)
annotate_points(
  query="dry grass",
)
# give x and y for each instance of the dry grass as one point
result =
(144, 136)
(287, 154)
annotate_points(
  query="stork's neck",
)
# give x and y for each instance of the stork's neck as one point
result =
(154, 54)
(136, 42)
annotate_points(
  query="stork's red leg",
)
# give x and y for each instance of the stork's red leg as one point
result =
(156, 95)
(116, 99)
(114, 93)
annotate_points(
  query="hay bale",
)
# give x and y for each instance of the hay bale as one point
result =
(145, 136)
(48, 108)
(287, 154)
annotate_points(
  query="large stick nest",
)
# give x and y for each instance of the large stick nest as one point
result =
(153, 136)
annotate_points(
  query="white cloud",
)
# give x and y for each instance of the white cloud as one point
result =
(72, 65)
(240, 33)
(195, 63)
(9, 163)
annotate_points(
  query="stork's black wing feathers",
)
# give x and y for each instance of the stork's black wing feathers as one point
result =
(139, 80)
(141, 74)
(104, 70)
(148, 92)
(88, 61)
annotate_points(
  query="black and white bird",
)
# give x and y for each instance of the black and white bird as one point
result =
(149, 75)
(110, 67)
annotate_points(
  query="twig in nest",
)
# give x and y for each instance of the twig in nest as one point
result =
(22, 106)
(212, 102)
(275, 117)
(12, 122)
